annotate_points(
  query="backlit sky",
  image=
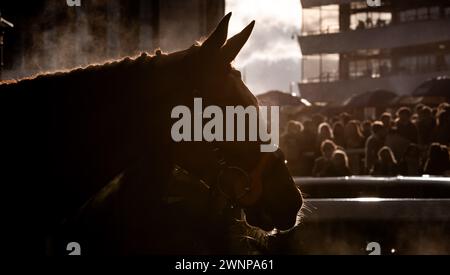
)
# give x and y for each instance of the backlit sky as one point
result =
(271, 58)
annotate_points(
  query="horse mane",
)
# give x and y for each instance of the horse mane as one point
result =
(158, 57)
(91, 68)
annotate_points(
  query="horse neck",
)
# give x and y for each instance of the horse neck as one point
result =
(96, 123)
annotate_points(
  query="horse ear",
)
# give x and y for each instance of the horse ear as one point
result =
(235, 44)
(217, 38)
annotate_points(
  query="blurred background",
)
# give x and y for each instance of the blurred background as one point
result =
(364, 91)
(48, 35)
(323, 51)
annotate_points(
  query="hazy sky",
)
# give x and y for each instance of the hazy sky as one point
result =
(271, 58)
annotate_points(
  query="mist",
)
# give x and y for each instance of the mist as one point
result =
(63, 38)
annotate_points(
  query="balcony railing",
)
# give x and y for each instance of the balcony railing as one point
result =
(372, 23)
(361, 25)
(326, 77)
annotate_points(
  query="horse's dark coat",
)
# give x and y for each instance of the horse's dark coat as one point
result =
(66, 135)
(69, 134)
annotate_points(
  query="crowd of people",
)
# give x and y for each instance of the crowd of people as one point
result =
(408, 142)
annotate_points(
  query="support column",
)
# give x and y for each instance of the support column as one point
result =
(344, 17)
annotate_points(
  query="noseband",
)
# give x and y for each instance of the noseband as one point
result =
(226, 171)
(226, 179)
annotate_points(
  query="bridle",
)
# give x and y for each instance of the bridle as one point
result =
(226, 178)
(251, 192)
(224, 171)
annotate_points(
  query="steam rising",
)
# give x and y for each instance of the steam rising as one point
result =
(62, 37)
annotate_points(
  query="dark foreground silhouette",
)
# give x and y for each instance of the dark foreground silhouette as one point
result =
(88, 157)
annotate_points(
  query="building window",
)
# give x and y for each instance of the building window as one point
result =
(408, 15)
(330, 67)
(431, 13)
(358, 5)
(422, 14)
(406, 64)
(418, 64)
(330, 19)
(311, 65)
(435, 13)
(385, 67)
(426, 63)
(324, 19)
(358, 69)
(447, 61)
(370, 20)
(321, 68)
(371, 67)
(311, 21)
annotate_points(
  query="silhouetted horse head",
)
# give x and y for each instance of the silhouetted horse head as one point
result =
(257, 182)
(66, 135)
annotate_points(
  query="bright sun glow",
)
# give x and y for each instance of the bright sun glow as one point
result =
(271, 58)
(286, 12)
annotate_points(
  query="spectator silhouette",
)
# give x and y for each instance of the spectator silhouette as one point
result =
(339, 134)
(386, 165)
(408, 135)
(425, 125)
(354, 140)
(438, 160)
(369, 22)
(405, 127)
(366, 130)
(361, 25)
(345, 118)
(323, 163)
(411, 164)
(324, 133)
(339, 166)
(442, 130)
(396, 142)
(308, 149)
(387, 120)
(318, 119)
(309, 135)
(374, 143)
(290, 143)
